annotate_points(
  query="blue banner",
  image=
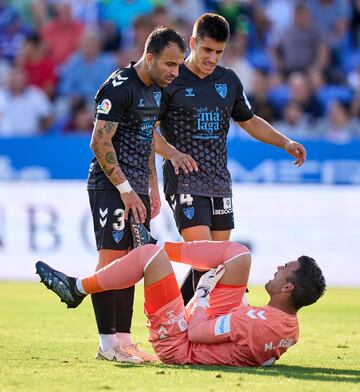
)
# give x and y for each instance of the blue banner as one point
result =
(68, 157)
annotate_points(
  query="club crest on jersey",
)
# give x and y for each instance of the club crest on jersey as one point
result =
(141, 103)
(189, 92)
(189, 212)
(221, 89)
(104, 107)
(157, 97)
(117, 235)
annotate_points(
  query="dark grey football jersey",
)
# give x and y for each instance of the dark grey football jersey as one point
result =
(195, 118)
(124, 99)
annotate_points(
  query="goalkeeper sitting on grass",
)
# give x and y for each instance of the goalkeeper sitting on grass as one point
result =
(215, 328)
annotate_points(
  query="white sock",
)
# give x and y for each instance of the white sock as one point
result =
(124, 339)
(107, 341)
(79, 286)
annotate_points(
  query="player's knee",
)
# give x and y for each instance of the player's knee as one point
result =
(151, 248)
(241, 249)
(235, 249)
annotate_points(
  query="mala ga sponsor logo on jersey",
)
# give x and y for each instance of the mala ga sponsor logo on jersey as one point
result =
(208, 123)
(228, 209)
(157, 97)
(104, 107)
(221, 89)
(146, 129)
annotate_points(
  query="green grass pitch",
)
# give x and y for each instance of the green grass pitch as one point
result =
(46, 347)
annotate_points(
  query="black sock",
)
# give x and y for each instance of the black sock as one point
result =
(186, 289)
(196, 277)
(124, 309)
(104, 309)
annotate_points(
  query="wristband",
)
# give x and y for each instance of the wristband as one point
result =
(124, 187)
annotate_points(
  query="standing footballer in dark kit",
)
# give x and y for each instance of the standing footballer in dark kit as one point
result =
(122, 176)
(195, 122)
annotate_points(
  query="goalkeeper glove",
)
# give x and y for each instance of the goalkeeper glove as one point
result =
(206, 284)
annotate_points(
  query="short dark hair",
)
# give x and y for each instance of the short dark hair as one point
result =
(162, 37)
(309, 282)
(213, 26)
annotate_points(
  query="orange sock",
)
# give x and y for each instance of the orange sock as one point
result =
(161, 293)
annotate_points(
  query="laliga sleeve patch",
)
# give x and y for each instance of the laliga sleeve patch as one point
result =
(222, 325)
(104, 107)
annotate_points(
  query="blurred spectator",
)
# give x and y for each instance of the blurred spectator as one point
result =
(33, 13)
(235, 58)
(355, 106)
(38, 68)
(235, 12)
(142, 27)
(338, 126)
(280, 14)
(301, 93)
(12, 32)
(4, 71)
(302, 45)
(85, 11)
(331, 16)
(123, 12)
(295, 123)
(355, 23)
(259, 98)
(86, 70)
(61, 35)
(110, 36)
(24, 110)
(81, 118)
(186, 10)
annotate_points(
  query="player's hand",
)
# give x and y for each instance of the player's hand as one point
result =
(297, 151)
(155, 202)
(183, 161)
(206, 284)
(133, 202)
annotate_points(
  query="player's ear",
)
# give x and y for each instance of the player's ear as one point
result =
(288, 287)
(192, 43)
(149, 59)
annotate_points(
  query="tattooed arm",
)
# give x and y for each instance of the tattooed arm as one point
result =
(103, 148)
(155, 202)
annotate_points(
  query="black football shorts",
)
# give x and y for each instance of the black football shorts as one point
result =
(111, 229)
(192, 210)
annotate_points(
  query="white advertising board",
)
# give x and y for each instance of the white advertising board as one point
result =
(51, 221)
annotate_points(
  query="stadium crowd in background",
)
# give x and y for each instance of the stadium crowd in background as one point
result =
(299, 61)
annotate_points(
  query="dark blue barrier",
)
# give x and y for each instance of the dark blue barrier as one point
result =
(68, 157)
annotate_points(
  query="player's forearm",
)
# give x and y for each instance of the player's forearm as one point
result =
(201, 330)
(103, 149)
(162, 147)
(261, 130)
(153, 180)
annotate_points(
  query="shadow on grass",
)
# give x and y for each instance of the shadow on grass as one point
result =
(294, 372)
